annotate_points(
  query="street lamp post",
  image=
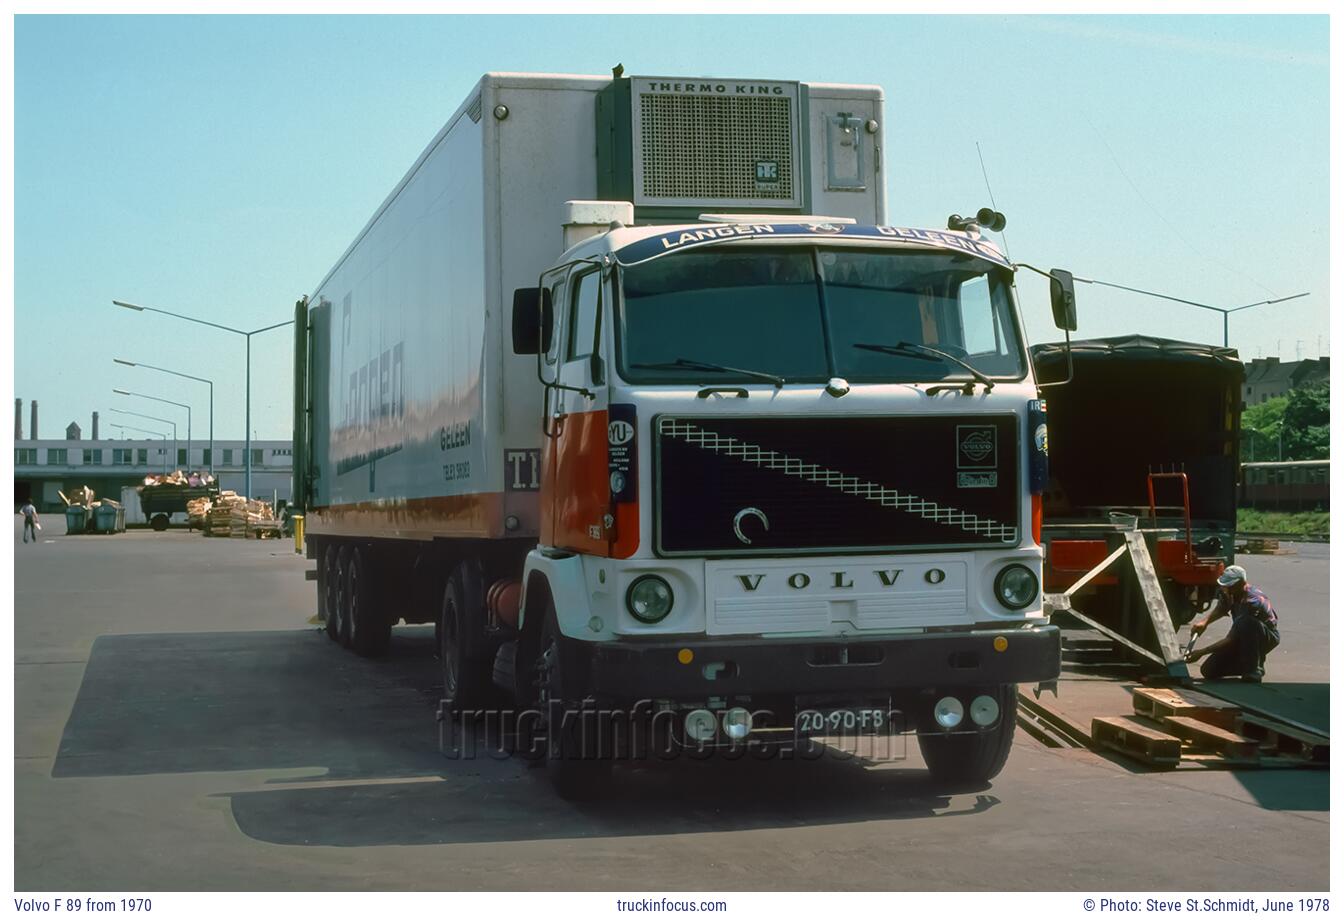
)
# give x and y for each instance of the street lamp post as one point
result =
(1203, 306)
(153, 418)
(1262, 434)
(158, 434)
(209, 383)
(247, 434)
(171, 403)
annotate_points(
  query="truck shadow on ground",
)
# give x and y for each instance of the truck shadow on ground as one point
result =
(249, 701)
(704, 798)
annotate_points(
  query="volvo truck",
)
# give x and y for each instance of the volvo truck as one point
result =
(632, 389)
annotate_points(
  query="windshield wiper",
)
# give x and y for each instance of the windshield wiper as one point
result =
(910, 349)
(688, 364)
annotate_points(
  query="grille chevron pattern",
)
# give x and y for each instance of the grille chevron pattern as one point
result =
(833, 479)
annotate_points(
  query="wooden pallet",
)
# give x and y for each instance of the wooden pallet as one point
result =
(1159, 703)
(1205, 738)
(1172, 726)
(1265, 546)
(1137, 738)
(1286, 739)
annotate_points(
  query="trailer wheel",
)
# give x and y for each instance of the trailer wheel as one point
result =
(467, 681)
(578, 766)
(370, 631)
(328, 577)
(343, 596)
(977, 757)
(159, 521)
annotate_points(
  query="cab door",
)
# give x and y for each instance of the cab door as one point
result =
(576, 492)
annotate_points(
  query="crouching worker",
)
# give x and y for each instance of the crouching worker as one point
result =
(1254, 633)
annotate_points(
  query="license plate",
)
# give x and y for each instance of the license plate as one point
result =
(860, 721)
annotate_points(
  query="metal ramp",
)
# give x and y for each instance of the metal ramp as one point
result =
(1171, 658)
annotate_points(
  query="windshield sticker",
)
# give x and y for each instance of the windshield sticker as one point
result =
(677, 240)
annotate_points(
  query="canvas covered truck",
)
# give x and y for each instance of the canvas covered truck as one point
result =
(1145, 434)
(630, 388)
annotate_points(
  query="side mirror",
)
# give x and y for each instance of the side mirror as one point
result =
(1062, 301)
(533, 321)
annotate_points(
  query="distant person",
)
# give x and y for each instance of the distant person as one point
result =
(30, 524)
(1254, 634)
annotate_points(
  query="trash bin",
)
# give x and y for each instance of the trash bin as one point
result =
(106, 519)
(76, 519)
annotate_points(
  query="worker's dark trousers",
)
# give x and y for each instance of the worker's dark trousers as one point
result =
(27, 529)
(1251, 641)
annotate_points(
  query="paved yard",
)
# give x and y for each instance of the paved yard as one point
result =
(179, 725)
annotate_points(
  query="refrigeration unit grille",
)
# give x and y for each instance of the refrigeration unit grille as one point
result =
(720, 148)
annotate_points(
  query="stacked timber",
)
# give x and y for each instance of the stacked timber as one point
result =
(231, 515)
(197, 509)
(254, 519)
(219, 517)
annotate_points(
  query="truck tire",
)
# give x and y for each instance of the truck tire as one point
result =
(370, 631)
(467, 680)
(973, 758)
(577, 766)
(328, 576)
(343, 596)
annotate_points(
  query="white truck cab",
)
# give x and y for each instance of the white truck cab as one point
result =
(787, 461)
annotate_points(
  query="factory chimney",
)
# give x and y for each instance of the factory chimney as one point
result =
(32, 426)
(18, 419)
(95, 426)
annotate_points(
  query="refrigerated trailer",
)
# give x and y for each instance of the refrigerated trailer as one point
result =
(631, 389)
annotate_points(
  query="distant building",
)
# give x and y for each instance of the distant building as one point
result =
(43, 468)
(1268, 378)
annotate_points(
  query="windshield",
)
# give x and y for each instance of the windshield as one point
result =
(809, 314)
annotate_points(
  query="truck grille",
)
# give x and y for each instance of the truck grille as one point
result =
(745, 486)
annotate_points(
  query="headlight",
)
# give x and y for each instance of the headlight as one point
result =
(649, 598)
(1016, 587)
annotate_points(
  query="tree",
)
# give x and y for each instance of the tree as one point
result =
(1260, 430)
(1306, 423)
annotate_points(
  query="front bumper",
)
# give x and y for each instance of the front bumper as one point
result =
(736, 666)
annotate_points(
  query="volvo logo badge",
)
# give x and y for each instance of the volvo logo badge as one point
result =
(745, 513)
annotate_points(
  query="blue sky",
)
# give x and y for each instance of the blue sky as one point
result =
(218, 166)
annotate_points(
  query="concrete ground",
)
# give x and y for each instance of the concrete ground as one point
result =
(179, 726)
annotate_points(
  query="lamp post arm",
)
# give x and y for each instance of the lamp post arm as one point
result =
(190, 319)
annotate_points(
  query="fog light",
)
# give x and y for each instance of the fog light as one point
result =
(701, 725)
(984, 711)
(649, 598)
(737, 723)
(1016, 587)
(948, 712)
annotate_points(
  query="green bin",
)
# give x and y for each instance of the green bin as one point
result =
(76, 519)
(107, 519)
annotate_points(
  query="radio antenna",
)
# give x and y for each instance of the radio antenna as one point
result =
(992, 203)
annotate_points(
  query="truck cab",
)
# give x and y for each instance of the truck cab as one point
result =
(791, 476)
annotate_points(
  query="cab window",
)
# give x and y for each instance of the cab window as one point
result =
(583, 316)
